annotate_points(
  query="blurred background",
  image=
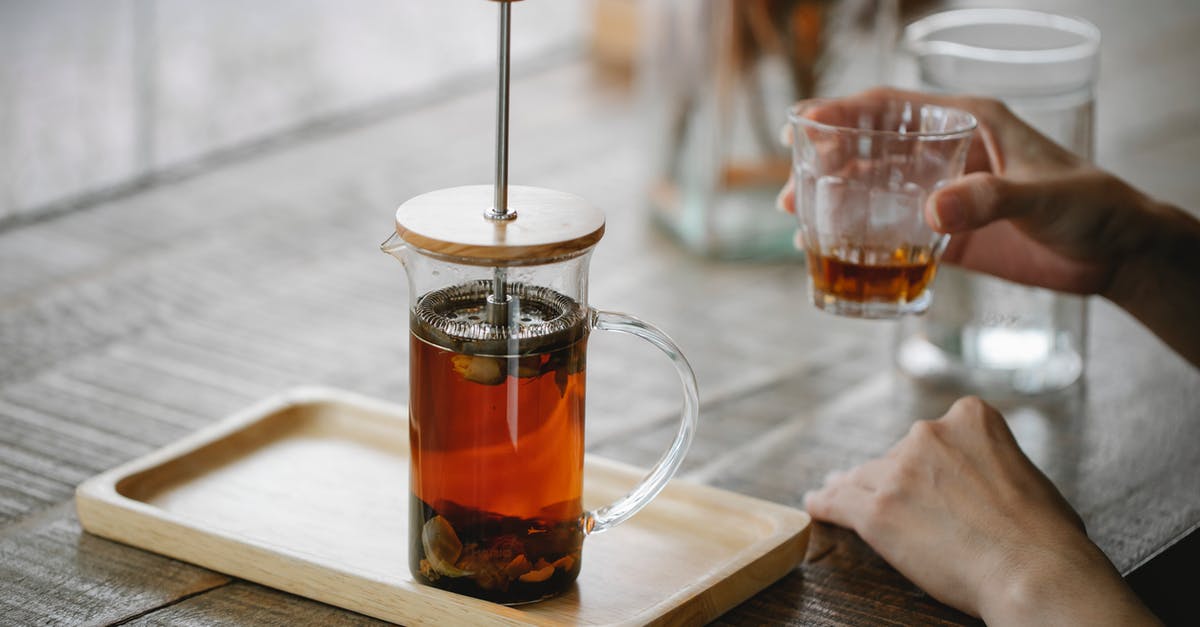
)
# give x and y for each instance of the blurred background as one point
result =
(99, 96)
(96, 98)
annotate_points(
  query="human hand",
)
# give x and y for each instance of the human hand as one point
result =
(1028, 210)
(957, 508)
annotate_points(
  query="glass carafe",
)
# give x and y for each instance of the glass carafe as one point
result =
(716, 78)
(496, 412)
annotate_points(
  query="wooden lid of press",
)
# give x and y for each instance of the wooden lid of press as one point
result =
(450, 222)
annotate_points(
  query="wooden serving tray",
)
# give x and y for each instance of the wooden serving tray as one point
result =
(307, 492)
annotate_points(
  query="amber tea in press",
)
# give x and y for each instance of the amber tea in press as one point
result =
(497, 443)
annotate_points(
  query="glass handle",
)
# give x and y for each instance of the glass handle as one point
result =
(620, 510)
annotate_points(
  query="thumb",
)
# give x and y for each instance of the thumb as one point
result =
(966, 204)
(979, 199)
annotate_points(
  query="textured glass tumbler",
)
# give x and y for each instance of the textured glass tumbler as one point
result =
(984, 334)
(863, 170)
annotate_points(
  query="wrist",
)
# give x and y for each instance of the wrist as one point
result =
(1157, 280)
(1157, 237)
(1072, 584)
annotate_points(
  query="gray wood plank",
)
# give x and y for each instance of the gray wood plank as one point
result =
(244, 603)
(53, 574)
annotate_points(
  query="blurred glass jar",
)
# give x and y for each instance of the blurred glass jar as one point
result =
(716, 79)
(983, 334)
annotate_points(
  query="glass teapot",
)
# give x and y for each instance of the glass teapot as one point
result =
(499, 322)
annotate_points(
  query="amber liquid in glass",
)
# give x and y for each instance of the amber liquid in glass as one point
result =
(497, 463)
(873, 275)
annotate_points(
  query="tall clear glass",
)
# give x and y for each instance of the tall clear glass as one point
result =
(985, 334)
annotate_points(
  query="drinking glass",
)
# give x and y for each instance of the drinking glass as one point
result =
(863, 170)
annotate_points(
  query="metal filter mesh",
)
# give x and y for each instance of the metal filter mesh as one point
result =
(456, 318)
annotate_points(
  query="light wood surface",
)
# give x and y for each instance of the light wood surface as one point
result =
(546, 224)
(306, 492)
(127, 325)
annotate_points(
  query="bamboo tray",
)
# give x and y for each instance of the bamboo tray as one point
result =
(307, 492)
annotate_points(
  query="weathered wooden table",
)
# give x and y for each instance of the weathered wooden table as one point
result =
(126, 325)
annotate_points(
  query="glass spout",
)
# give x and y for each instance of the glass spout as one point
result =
(393, 246)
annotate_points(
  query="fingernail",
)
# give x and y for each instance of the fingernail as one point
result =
(934, 220)
(779, 198)
(785, 134)
(949, 214)
(832, 476)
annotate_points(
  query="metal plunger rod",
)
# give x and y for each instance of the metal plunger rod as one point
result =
(499, 209)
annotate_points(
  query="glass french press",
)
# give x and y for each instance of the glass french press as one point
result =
(499, 323)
